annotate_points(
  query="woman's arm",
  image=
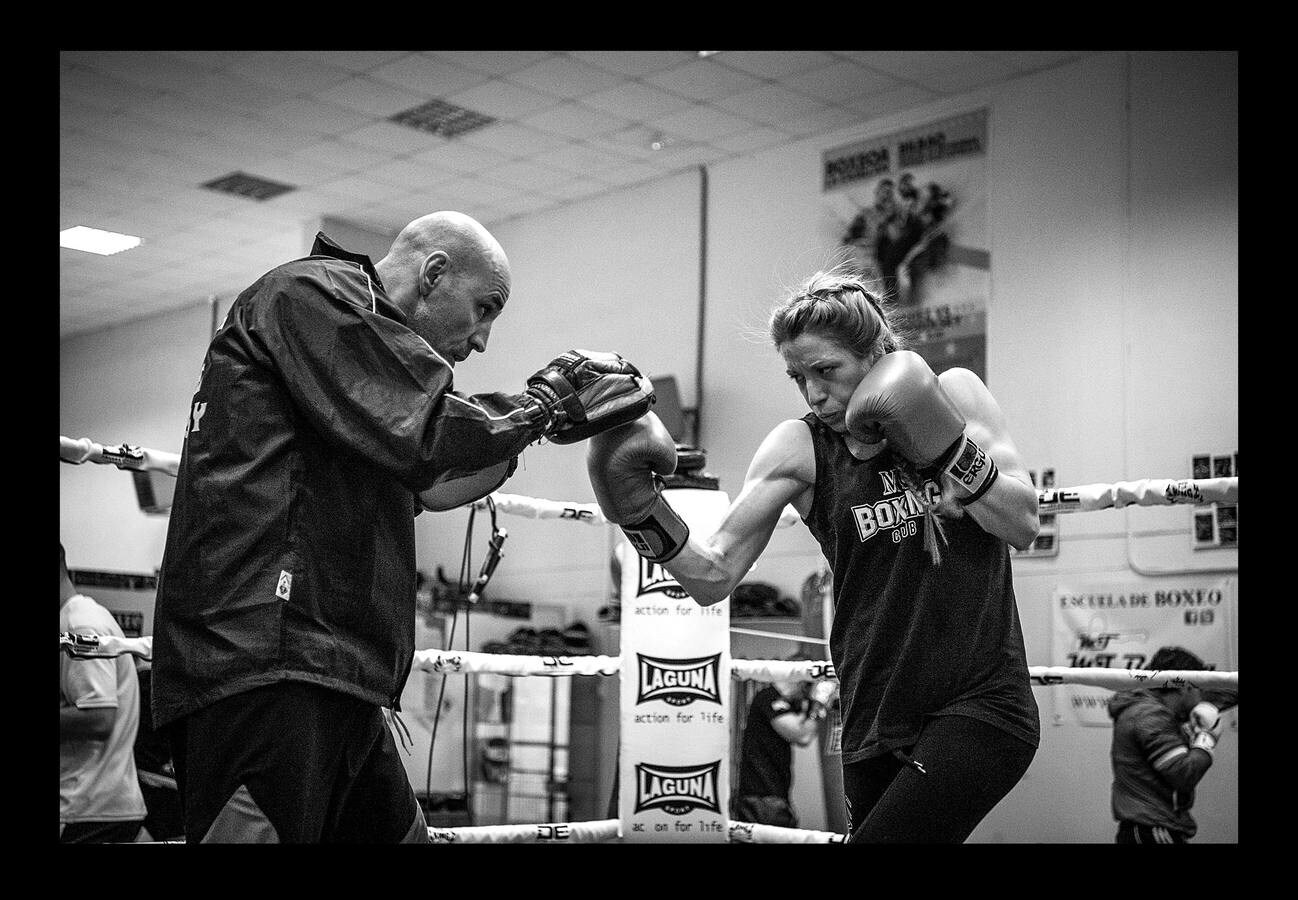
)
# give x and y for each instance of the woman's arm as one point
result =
(783, 471)
(1009, 508)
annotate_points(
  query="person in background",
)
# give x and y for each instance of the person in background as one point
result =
(1163, 745)
(99, 711)
(782, 715)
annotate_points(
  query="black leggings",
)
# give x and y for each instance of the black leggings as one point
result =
(968, 767)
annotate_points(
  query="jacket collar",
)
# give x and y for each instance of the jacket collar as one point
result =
(323, 246)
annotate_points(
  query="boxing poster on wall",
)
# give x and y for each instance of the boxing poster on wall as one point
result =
(1121, 626)
(910, 211)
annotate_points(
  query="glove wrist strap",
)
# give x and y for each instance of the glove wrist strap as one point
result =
(970, 469)
(1203, 740)
(660, 535)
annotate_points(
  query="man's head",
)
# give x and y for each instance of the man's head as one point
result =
(1178, 659)
(451, 278)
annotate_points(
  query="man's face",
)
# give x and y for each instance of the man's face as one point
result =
(826, 374)
(456, 316)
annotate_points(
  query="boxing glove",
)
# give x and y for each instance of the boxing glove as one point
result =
(624, 464)
(1206, 726)
(900, 398)
(585, 392)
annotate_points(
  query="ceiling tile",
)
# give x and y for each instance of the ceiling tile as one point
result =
(486, 191)
(392, 138)
(700, 122)
(149, 69)
(526, 175)
(820, 120)
(357, 187)
(102, 90)
(187, 113)
(376, 98)
(635, 63)
(512, 140)
(910, 64)
(503, 99)
(493, 62)
(1033, 60)
(890, 101)
(315, 116)
(296, 170)
(703, 79)
(237, 93)
(757, 138)
(966, 78)
(769, 104)
(212, 59)
(773, 63)
(575, 189)
(564, 77)
(343, 155)
(460, 157)
(635, 101)
(292, 74)
(580, 158)
(575, 120)
(428, 76)
(412, 174)
(839, 81)
(355, 61)
(630, 173)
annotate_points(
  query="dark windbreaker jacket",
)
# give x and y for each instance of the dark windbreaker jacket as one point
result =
(290, 551)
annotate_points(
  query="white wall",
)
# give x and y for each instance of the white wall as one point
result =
(1112, 347)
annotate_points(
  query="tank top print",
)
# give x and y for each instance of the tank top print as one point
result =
(911, 640)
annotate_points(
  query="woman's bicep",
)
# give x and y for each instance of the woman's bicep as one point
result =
(985, 422)
(781, 472)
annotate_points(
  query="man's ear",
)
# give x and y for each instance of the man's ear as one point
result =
(434, 266)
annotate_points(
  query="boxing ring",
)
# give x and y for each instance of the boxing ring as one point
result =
(1083, 498)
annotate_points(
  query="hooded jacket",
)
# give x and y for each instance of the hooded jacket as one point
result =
(1154, 768)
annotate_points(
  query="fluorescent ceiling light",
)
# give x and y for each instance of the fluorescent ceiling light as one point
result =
(92, 240)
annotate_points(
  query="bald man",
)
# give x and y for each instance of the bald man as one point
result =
(324, 421)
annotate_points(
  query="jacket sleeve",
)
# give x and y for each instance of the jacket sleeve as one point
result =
(372, 386)
(1165, 747)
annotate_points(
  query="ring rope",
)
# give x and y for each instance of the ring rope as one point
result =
(92, 646)
(1082, 498)
(602, 830)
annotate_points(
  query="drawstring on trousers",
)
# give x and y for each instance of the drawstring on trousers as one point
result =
(906, 760)
(407, 742)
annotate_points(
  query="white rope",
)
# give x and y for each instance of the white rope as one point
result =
(94, 646)
(441, 661)
(1083, 498)
(548, 833)
(124, 456)
(1145, 492)
(607, 830)
(1126, 679)
(756, 833)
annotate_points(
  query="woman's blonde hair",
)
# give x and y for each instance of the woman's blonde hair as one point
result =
(839, 305)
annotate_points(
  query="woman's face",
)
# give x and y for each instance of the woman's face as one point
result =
(826, 374)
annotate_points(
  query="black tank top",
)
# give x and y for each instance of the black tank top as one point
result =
(910, 639)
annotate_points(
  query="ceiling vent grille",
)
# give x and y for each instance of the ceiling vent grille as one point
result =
(442, 118)
(244, 185)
